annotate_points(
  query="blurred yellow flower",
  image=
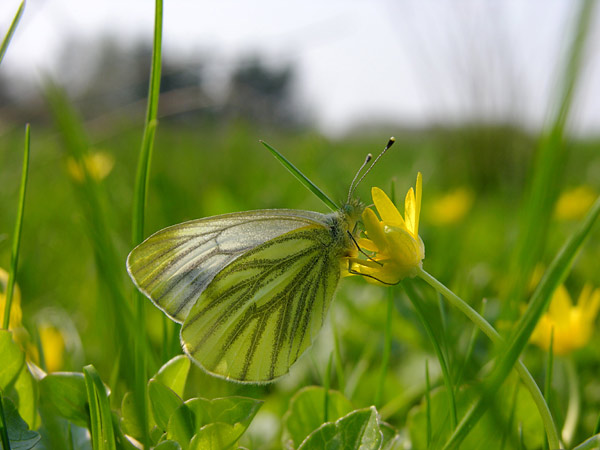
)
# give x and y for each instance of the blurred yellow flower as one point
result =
(451, 207)
(394, 240)
(16, 314)
(53, 346)
(574, 203)
(572, 324)
(98, 165)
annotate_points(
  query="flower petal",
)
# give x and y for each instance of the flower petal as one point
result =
(418, 202)
(409, 210)
(374, 229)
(402, 245)
(367, 244)
(386, 209)
(589, 303)
(560, 305)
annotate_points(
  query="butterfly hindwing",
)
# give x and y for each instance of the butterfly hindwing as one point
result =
(262, 311)
(174, 266)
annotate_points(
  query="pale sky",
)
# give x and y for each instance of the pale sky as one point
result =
(399, 60)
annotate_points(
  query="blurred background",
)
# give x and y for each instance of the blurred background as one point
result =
(469, 89)
(337, 66)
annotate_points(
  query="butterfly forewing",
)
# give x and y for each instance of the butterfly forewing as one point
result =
(175, 265)
(262, 311)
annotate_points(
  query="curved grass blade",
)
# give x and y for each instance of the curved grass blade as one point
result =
(387, 346)
(12, 274)
(548, 166)
(339, 365)
(428, 400)
(510, 352)
(11, 30)
(312, 187)
(493, 335)
(103, 436)
(470, 346)
(418, 305)
(590, 444)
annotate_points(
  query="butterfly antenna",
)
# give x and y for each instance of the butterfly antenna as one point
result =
(354, 185)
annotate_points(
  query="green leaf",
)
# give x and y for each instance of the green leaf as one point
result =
(173, 374)
(13, 360)
(103, 437)
(357, 430)
(19, 434)
(163, 401)
(391, 439)
(168, 445)
(157, 435)
(67, 395)
(181, 426)
(193, 415)
(26, 388)
(216, 436)
(305, 413)
(230, 410)
(129, 417)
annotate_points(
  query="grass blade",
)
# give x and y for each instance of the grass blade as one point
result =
(428, 400)
(115, 313)
(16, 243)
(103, 436)
(491, 333)
(312, 187)
(548, 381)
(139, 204)
(470, 347)
(11, 30)
(387, 347)
(339, 364)
(574, 406)
(592, 443)
(418, 305)
(548, 168)
(509, 355)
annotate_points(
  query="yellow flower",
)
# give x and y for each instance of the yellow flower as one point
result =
(98, 165)
(397, 248)
(572, 324)
(452, 207)
(53, 346)
(574, 203)
(16, 314)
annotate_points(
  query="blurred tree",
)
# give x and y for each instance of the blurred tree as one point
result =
(262, 94)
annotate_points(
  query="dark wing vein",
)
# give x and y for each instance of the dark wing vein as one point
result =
(174, 266)
(262, 311)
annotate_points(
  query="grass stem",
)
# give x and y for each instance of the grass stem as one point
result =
(490, 332)
(16, 243)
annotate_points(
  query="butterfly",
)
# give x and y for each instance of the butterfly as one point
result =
(251, 289)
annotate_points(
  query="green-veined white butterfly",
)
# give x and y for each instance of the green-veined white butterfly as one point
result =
(251, 289)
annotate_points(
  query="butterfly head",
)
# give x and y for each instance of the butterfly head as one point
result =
(351, 212)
